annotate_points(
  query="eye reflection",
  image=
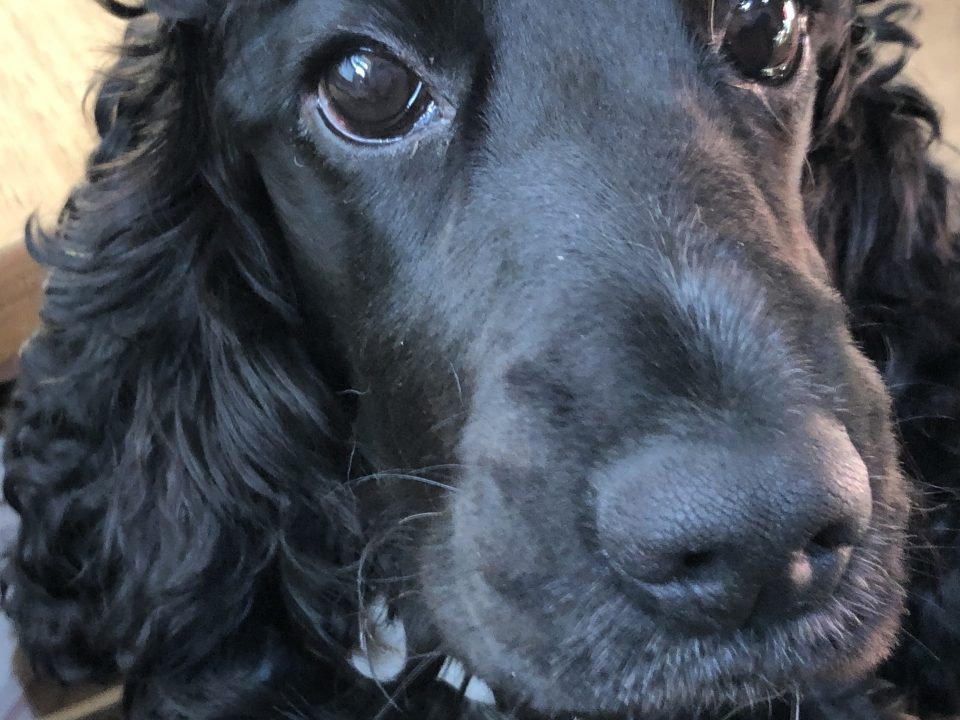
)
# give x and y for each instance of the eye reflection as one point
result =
(369, 96)
(763, 38)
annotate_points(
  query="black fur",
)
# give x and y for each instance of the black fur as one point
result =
(200, 433)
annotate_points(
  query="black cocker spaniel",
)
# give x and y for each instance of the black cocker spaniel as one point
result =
(499, 359)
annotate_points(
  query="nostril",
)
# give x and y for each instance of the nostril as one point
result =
(654, 567)
(831, 538)
(734, 529)
(693, 562)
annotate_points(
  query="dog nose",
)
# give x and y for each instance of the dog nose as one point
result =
(715, 533)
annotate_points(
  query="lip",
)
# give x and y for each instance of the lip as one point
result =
(737, 669)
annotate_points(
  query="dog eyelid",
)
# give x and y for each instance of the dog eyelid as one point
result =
(370, 97)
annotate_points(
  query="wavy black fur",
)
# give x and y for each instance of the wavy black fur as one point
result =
(881, 210)
(172, 438)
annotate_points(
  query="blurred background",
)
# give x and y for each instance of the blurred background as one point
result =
(49, 51)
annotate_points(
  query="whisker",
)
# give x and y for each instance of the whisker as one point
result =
(405, 476)
(426, 660)
(456, 377)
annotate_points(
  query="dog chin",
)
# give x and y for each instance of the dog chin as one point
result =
(682, 678)
(594, 653)
(670, 696)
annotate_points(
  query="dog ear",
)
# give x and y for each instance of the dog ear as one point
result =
(883, 214)
(877, 203)
(172, 450)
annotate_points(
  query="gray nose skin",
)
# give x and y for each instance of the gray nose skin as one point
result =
(716, 535)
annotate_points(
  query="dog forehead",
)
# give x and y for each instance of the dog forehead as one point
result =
(577, 50)
(648, 27)
(641, 23)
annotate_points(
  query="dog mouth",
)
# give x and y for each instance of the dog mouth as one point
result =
(742, 669)
(626, 671)
(559, 639)
(382, 655)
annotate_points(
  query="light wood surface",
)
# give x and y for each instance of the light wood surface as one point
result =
(935, 68)
(49, 52)
(20, 280)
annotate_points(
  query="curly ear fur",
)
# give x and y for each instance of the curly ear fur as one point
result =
(172, 449)
(881, 211)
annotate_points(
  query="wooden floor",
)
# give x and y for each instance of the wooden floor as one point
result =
(48, 52)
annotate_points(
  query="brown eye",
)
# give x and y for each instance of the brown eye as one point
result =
(764, 38)
(371, 97)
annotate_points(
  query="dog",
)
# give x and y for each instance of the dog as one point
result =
(498, 359)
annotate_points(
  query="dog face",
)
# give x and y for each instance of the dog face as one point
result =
(525, 324)
(562, 253)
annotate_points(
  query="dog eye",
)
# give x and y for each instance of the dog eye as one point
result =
(764, 38)
(371, 97)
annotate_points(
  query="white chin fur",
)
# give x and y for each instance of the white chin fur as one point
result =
(382, 655)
